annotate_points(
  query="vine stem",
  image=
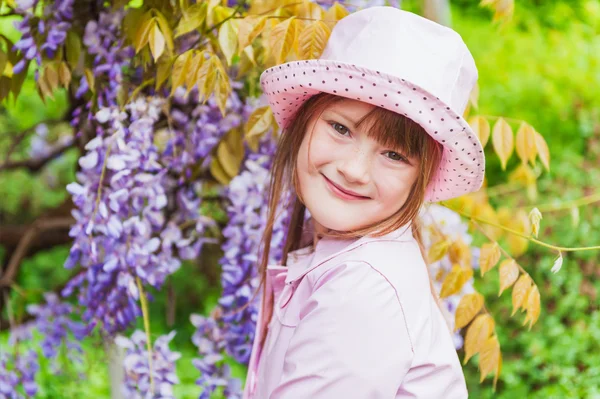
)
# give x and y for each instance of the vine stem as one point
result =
(588, 199)
(147, 328)
(506, 254)
(515, 232)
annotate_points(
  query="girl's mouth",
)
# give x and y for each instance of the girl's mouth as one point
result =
(340, 192)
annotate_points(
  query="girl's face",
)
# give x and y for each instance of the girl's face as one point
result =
(347, 179)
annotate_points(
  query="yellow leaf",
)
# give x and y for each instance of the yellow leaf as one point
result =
(312, 40)
(520, 291)
(503, 141)
(247, 62)
(163, 70)
(205, 78)
(219, 14)
(509, 272)
(489, 357)
(216, 169)
(489, 256)
(468, 307)
(282, 39)
(535, 216)
(193, 69)
(249, 28)
(165, 29)
(532, 306)
(466, 275)
(477, 334)
(497, 371)
(481, 127)
(438, 250)
(64, 74)
(474, 97)
(228, 39)
(258, 122)
(519, 222)
(235, 141)
(143, 31)
(542, 150)
(180, 70)
(89, 77)
(51, 76)
(222, 87)
(335, 13)
(228, 159)
(192, 18)
(454, 281)
(485, 212)
(525, 143)
(309, 10)
(156, 41)
(459, 252)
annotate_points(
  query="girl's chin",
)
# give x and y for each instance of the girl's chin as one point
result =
(332, 221)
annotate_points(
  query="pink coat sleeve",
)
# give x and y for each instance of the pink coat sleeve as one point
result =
(351, 341)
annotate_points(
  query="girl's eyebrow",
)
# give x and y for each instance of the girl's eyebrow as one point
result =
(347, 119)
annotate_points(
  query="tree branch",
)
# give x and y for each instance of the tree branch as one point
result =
(35, 164)
(26, 241)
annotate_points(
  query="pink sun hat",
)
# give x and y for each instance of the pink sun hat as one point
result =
(402, 62)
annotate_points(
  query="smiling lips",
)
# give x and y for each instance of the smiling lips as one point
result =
(342, 193)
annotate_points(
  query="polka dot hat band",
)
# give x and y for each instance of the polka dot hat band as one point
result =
(402, 62)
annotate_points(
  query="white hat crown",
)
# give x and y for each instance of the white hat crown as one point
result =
(408, 46)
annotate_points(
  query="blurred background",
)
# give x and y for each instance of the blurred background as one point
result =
(542, 66)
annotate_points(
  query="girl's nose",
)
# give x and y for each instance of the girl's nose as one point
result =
(355, 168)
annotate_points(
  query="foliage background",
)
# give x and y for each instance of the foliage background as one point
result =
(542, 67)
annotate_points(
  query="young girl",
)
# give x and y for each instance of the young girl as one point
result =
(370, 131)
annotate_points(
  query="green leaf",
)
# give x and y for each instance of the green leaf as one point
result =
(73, 46)
(3, 60)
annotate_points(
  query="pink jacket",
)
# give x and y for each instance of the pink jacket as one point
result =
(354, 319)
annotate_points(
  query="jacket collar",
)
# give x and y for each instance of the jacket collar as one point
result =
(304, 260)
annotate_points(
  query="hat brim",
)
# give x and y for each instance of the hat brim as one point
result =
(462, 168)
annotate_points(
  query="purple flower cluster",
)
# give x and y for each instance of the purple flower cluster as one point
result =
(137, 368)
(52, 320)
(232, 332)
(197, 128)
(215, 373)
(104, 40)
(120, 202)
(18, 370)
(51, 30)
(247, 211)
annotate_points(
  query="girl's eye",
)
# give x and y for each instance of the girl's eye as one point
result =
(394, 156)
(341, 129)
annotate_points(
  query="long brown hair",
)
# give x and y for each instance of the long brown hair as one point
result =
(387, 127)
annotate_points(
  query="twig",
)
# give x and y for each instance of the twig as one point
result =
(35, 164)
(26, 241)
(518, 233)
(588, 199)
(146, 316)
